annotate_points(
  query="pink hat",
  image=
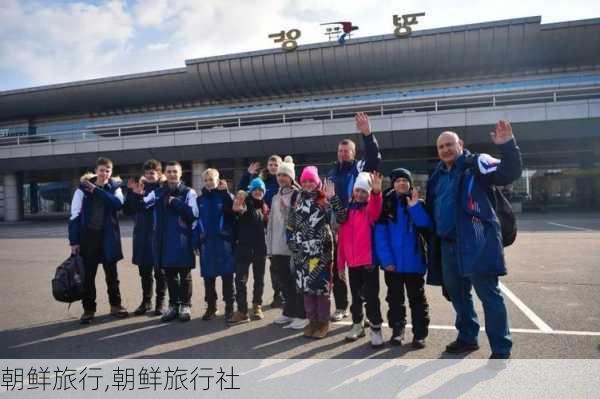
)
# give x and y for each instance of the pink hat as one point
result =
(311, 173)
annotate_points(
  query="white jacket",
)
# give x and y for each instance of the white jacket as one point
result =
(278, 216)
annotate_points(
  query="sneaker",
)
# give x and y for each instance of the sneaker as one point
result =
(257, 313)
(171, 314)
(159, 308)
(228, 311)
(397, 336)
(340, 314)
(356, 331)
(310, 328)
(119, 311)
(376, 337)
(238, 318)
(185, 313)
(142, 309)
(297, 324)
(418, 343)
(283, 319)
(321, 330)
(500, 356)
(87, 317)
(461, 347)
(499, 361)
(210, 313)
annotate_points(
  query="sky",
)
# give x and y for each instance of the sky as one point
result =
(48, 42)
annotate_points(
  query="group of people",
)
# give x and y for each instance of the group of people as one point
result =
(318, 235)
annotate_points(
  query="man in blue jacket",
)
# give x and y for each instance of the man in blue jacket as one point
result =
(142, 237)
(175, 212)
(94, 233)
(466, 250)
(343, 174)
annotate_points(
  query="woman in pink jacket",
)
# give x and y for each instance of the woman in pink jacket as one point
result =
(355, 251)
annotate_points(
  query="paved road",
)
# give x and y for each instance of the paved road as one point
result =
(553, 297)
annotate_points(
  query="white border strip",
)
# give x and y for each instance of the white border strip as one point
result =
(541, 324)
(566, 226)
(515, 330)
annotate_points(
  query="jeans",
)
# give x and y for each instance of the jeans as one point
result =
(148, 282)
(488, 291)
(179, 281)
(242, 269)
(210, 290)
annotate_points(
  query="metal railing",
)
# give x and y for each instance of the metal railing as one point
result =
(371, 107)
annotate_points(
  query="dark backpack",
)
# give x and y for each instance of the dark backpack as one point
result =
(67, 284)
(506, 216)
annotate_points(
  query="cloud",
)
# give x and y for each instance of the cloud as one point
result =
(44, 42)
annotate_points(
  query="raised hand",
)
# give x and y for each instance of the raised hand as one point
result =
(414, 197)
(88, 186)
(376, 182)
(253, 168)
(223, 185)
(502, 133)
(329, 188)
(135, 187)
(362, 123)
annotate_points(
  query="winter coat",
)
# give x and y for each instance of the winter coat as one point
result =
(81, 212)
(355, 247)
(311, 240)
(214, 233)
(281, 205)
(250, 229)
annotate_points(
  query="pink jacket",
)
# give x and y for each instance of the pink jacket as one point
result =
(355, 234)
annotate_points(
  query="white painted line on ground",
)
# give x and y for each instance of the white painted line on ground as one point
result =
(516, 330)
(525, 309)
(566, 226)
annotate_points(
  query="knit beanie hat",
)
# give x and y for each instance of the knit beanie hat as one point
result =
(401, 172)
(363, 181)
(287, 168)
(311, 173)
(257, 184)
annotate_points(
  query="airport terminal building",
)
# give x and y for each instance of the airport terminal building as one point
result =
(227, 111)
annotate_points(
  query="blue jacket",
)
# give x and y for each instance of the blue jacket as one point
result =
(270, 182)
(81, 209)
(213, 234)
(478, 233)
(143, 225)
(398, 240)
(172, 226)
(344, 174)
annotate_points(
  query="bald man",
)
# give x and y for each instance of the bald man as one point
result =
(466, 250)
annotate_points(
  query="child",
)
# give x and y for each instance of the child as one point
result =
(252, 217)
(175, 212)
(213, 239)
(278, 250)
(355, 251)
(400, 247)
(94, 232)
(142, 237)
(311, 240)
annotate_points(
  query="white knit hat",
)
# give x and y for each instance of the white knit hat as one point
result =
(287, 167)
(363, 181)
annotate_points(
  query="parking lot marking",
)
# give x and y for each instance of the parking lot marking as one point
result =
(541, 324)
(515, 330)
(566, 226)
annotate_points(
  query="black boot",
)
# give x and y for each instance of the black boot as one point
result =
(159, 308)
(211, 312)
(228, 311)
(397, 336)
(143, 308)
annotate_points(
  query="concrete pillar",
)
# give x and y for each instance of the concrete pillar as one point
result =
(197, 169)
(13, 198)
